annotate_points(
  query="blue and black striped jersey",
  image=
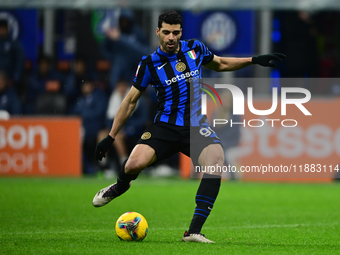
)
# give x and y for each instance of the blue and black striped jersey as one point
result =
(175, 78)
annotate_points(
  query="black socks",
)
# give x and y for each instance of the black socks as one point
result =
(124, 179)
(205, 199)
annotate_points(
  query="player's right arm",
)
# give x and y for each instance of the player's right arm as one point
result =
(125, 110)
(141, 81)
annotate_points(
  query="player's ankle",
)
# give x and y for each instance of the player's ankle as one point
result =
(122, 187)
(194, 231)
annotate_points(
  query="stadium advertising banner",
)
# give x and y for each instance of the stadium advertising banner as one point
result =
(309, 150)
(224, 32)
(40, 147)
(23, 26)
(288, 135)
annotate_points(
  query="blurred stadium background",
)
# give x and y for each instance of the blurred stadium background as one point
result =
(64, 68)
(48, 134)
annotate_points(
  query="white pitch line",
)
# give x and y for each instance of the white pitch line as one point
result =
(167, 229)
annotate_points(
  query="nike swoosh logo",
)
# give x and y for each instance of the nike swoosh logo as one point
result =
(209, 208)
(160, 67)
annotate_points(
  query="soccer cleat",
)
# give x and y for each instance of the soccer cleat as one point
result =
(106, 195)
(195, 237)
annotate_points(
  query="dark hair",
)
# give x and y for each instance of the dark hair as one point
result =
(170, 17)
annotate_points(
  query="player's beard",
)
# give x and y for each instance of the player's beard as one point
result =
(170, 49)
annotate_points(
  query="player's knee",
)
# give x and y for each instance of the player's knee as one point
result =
(217, 159)
(212, 161)
(213, 158)
(134, 166)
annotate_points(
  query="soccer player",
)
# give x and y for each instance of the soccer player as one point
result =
(173, 70)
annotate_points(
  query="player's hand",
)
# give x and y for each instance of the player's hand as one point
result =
(264, 60)
(102, 147)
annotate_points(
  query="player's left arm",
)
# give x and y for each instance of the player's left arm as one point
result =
(223, 64)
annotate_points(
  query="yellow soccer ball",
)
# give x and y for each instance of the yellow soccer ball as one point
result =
(131, 226)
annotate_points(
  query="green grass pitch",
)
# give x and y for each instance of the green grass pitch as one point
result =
(56, 216)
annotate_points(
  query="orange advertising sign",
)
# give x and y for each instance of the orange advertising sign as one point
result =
(40, 147)
(292, 147)
(310, 149)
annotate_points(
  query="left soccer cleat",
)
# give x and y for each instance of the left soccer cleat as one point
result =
(106, 195)
(195, 237)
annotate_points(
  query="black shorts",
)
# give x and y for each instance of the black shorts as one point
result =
(168, 139)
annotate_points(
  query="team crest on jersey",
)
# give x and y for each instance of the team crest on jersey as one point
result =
(192, 54)
(146, 136)
(180, 66)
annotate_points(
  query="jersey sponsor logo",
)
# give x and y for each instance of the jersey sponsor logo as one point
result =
(184, 76)
(180, 66)
(146, 136)
(192, 54)
(160, 67)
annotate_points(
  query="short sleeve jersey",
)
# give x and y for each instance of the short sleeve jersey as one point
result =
(175, 77)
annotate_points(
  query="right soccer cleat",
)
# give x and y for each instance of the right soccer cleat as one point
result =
(195, 237)
(106, 195)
